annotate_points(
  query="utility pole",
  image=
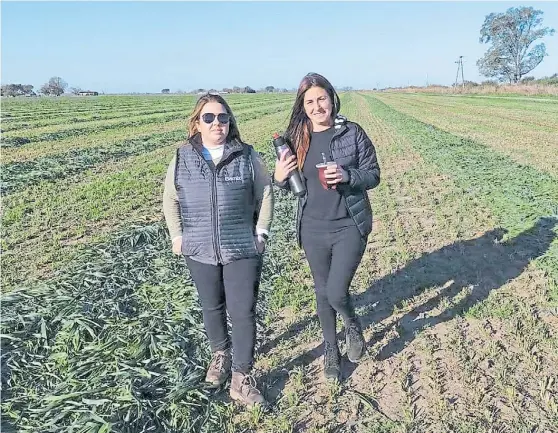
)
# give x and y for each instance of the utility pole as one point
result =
(460, 67)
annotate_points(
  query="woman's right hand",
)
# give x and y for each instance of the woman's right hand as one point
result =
(177, 245)
(284, 166)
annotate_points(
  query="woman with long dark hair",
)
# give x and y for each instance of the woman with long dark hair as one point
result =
(339, 165)
(218, 205)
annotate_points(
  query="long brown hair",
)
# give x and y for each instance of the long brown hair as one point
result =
(300, 126)
(233, 134)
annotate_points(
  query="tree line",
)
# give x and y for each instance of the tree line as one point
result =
(56, 86)
(235, 89)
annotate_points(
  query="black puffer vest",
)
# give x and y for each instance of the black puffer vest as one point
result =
(217, 204)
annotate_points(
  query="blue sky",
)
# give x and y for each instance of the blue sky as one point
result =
(146, 46)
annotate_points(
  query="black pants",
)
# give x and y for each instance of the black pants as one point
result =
(233, 288)
(333, 258)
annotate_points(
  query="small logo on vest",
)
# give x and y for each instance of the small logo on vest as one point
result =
(233, 178)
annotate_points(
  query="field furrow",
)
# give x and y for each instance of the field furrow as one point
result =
(54, 133)
(22, 174)
(44, 221)
(434, 257)
(177, 106)
(528, 135)
(457, 291)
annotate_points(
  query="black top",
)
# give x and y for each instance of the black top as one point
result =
(325, 209)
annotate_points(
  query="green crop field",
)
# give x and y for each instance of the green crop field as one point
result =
(458, 288)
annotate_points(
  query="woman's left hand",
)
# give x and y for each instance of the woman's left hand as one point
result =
(336, 174)
(260, 243)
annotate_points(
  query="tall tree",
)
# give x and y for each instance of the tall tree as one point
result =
(55, 86)
(27, 89)
(512, 35)
(45, 89)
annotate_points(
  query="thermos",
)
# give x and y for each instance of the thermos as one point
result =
(295, 180)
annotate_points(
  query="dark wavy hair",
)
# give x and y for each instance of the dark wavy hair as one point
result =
(300, 126)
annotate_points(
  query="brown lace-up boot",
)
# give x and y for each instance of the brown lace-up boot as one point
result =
(243, 389)
(219, 368)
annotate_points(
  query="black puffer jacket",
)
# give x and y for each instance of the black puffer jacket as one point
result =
(351, 148)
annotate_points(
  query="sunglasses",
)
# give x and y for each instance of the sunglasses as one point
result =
(221, 117)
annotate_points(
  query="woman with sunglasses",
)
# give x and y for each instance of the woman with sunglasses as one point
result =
(218, 206)
(334, 217)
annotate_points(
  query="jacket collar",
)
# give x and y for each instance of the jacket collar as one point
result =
(231, 147)
(339, 121)
(340, 125)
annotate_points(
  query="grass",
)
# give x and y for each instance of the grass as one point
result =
(86, 358)
(18, 175)
(94, 347)
(60, 131)
(113, 112)
(518, 195)
(112, 137)
(523, 130)
(457, 292)
(426, 265)
(542, 89)
(44, 225)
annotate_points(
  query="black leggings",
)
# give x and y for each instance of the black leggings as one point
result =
(233, 288)
(333, 258)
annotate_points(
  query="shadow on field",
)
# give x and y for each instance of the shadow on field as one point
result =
(482, 264)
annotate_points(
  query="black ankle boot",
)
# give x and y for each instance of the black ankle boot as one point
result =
(332, 362)
(354, 340)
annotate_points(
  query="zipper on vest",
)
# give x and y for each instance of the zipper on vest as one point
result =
(215, 218)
